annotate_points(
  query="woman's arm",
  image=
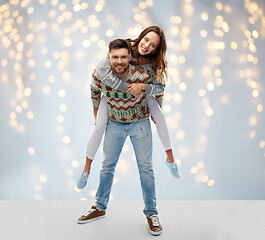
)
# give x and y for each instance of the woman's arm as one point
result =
(106, 76)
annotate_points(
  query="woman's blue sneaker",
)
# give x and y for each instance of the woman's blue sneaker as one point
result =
(81, 183)
(173, 167)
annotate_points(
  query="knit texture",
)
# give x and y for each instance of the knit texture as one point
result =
(105, 74)
(123, 107)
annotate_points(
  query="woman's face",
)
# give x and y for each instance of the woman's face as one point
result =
(149, 43)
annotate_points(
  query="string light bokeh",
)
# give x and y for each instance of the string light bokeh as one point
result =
(214, 99)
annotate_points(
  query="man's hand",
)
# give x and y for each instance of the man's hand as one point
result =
(135, 89)
(140, 95)
(95, 114)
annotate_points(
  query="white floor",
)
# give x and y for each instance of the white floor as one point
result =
(187, 220)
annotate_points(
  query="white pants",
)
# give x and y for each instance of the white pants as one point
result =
(102, 119)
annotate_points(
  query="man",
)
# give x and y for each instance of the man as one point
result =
(128, 116)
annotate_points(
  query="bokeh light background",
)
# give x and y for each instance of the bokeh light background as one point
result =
(214, 99)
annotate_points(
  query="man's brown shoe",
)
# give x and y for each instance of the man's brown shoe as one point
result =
(91, 215)
(154, 225)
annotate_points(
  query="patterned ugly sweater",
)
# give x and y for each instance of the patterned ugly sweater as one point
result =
(123, 107)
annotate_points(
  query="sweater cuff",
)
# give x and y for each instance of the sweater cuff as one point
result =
(95, 102)
(148, 89)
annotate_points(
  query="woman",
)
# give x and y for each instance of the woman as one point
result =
(149, 52)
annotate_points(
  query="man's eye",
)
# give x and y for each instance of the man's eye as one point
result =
(124, 57)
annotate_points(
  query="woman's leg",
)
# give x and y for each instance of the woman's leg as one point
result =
(161, 126)
(162, 130)
(99, 129)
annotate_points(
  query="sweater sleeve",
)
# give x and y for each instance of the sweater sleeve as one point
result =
(95, 91)
(107, 77)
(159, 99)
(155, 88)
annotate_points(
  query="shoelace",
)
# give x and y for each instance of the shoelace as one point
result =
(174, 166)
(155, 221)
(84, 178)
(89, 212)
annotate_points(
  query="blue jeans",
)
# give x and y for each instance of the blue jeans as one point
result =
(141, 138)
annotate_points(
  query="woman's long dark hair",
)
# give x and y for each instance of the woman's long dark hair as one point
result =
(158, 58)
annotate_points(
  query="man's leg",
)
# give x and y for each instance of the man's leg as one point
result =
(115, 137)
(141, 137)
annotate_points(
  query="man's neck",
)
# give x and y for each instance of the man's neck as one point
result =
(122, 75)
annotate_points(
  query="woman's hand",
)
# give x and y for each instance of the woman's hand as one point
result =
(135, 88)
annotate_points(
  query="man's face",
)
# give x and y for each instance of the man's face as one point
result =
(119, 61)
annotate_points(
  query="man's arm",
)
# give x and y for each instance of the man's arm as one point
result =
(159, 99)
(95, 95)
(95, 111)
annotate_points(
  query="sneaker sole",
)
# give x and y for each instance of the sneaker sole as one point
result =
(154, 233)
(175, 176)
(79, 188)
(90, 220)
